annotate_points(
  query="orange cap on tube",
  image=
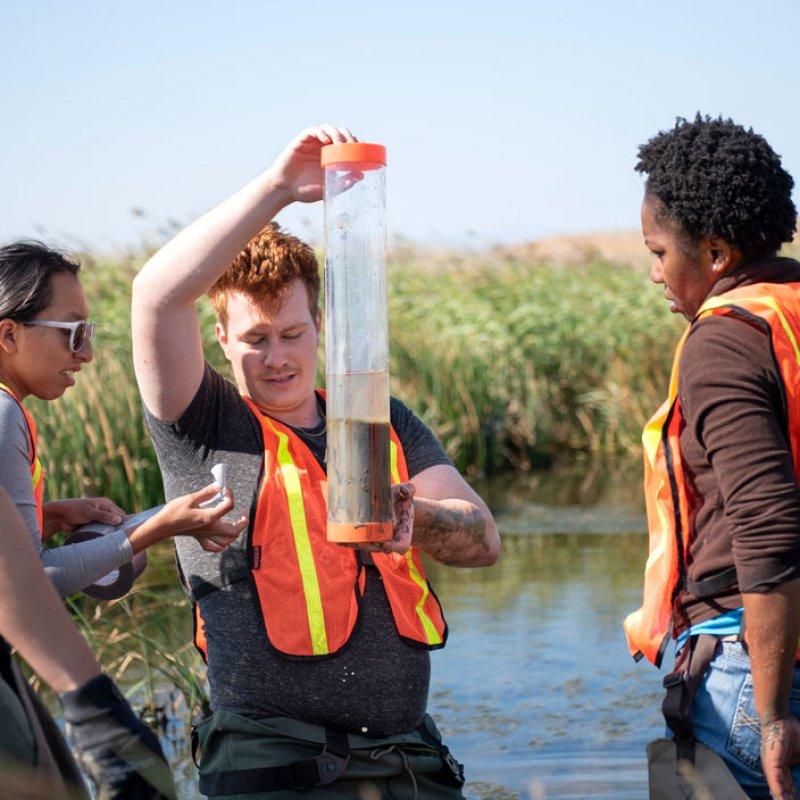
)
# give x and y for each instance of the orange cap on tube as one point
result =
(353, 155)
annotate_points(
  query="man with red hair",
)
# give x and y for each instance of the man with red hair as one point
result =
(318, 654)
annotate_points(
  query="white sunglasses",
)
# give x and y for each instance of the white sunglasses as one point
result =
(80, 332)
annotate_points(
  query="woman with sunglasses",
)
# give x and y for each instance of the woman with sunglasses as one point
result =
(45, 340)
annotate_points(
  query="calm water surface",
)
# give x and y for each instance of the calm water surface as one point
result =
(535, 691)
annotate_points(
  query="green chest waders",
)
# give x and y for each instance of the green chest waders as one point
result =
(682, 767)
(318, 770)
(239, 768)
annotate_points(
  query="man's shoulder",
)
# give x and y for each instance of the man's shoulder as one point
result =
(398, 409)
(216, 419)
(421, 447)
(402, 418)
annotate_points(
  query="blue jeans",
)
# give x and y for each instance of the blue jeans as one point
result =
(725, 718)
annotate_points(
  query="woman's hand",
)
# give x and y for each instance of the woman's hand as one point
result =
(183, 516)
(297, 172)
(64, 516)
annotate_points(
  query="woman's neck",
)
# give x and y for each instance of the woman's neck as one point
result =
(12, 384)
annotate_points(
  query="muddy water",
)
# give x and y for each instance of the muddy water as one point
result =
(535, 691)
(358, 471)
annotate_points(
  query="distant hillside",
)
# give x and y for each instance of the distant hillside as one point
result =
(618, 247)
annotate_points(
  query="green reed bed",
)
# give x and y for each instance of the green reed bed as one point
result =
(515, 364)
(512, 363)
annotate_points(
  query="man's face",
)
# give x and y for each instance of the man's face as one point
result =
(677, 265)
(273, 352)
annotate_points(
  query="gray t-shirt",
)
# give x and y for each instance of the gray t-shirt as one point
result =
(71, 567)
(377, 683)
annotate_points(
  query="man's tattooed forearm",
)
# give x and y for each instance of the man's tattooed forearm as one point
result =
(449, 534)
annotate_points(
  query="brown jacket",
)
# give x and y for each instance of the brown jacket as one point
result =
(745, 498)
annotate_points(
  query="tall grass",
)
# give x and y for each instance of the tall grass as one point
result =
(512, 363)
(515, 363)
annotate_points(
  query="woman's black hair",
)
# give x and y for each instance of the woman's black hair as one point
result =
(26, 271)
(716, 179)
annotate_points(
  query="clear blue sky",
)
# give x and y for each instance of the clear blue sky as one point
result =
(509, 119)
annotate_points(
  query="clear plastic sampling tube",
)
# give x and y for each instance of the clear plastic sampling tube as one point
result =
(357, 343)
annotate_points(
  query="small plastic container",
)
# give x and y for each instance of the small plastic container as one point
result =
(357, 344)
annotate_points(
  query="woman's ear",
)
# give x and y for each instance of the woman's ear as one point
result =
(8, 336)
(723, 256)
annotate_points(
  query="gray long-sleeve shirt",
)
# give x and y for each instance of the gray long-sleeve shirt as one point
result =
(71, 567)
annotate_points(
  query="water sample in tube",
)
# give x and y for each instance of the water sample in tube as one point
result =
(357, 343)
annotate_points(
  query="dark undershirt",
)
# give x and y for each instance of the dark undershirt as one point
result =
(378, 682)
(745, 498)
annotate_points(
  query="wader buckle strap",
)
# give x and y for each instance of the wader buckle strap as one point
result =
(682, 686)
(305, 773)
(453, 771)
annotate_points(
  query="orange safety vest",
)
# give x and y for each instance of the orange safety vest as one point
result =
(309, 590)
(775, 309)
(37, 473)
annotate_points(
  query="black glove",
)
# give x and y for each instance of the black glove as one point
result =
(113, 745)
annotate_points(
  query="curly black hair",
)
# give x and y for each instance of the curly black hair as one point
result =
(715, 178)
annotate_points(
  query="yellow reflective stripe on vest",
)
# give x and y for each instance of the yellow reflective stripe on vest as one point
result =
(431, 634)
(305, 557)
(36, 476)
(770, 302)
(651, 436)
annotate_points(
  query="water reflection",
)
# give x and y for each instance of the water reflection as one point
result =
(535, 691)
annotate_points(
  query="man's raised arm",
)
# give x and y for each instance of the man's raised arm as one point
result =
(167, 347)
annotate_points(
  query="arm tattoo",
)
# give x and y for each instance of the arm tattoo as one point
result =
(451, 534)
(771, 734)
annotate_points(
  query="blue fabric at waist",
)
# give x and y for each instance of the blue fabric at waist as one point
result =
(725, 624)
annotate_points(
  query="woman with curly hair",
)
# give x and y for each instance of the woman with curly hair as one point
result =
(722, 458)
